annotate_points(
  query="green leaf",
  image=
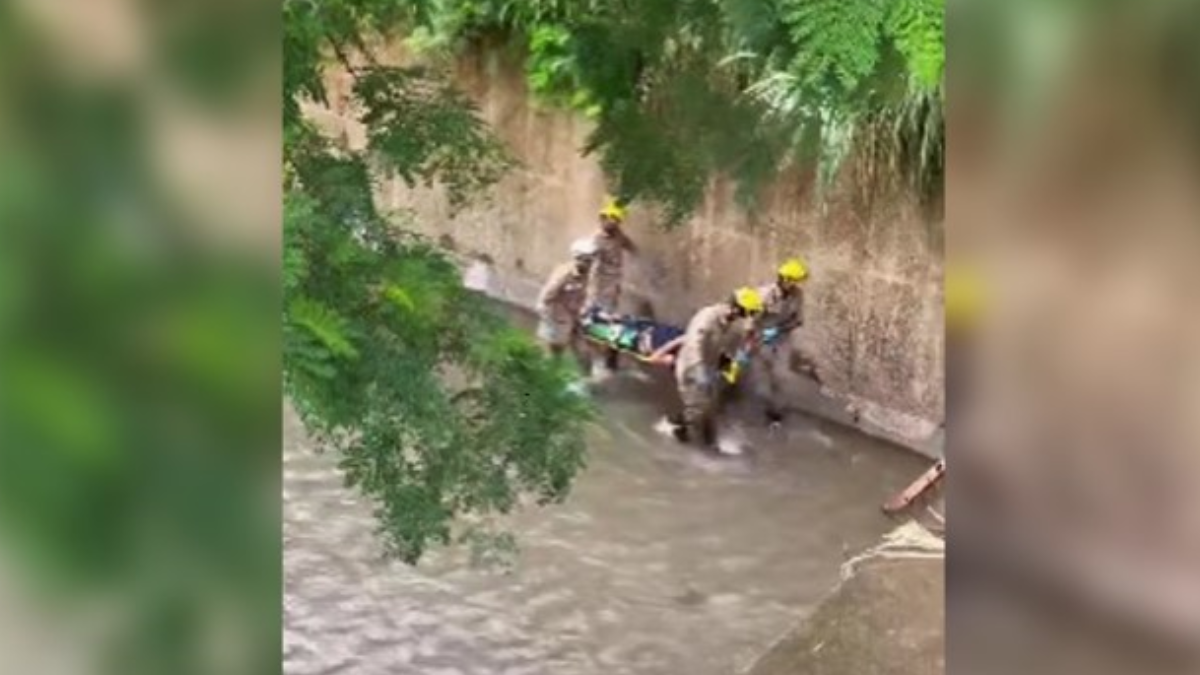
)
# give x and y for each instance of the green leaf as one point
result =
(918, 30)
(400, 297)
(324, 324)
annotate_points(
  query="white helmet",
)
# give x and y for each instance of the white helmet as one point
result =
(583, 248)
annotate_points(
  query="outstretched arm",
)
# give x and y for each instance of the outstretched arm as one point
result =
(602, 315)
(627, 243)
(775, 333)
(794, 320)
(551, 291)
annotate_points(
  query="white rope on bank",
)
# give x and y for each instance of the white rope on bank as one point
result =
(910, 541)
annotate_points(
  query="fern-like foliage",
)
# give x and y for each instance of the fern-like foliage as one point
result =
(917, 29)
(323, 324)
(836, 42)
(684, 91)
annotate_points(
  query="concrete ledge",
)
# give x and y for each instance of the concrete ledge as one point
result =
(887, 617)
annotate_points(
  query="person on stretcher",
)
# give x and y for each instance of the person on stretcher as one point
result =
(649, 341)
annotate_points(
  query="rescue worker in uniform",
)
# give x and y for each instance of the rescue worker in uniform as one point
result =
(611, 246)
(713, 337)
(562, 298)
(783, 311)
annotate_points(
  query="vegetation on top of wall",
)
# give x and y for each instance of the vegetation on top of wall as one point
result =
(681, 91)
(438, 408)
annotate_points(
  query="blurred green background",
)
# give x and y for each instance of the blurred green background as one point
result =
(139, 337)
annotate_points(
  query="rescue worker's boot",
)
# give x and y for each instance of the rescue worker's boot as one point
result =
(679, 428)
(688, 431)
(611, 359)
(708, 433)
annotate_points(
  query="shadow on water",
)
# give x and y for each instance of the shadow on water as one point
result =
(662, 561)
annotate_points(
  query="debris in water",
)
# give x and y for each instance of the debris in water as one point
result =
(690, 598)
(918, 487)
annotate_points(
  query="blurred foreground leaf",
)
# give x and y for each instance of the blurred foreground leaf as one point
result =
(139, 380)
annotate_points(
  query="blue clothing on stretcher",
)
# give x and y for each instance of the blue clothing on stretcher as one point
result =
(660, 334)
(629, 333)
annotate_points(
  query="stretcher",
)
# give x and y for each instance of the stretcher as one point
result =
(649, 341)
(637, 337)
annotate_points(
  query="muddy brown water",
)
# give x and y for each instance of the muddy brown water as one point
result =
(661, 562)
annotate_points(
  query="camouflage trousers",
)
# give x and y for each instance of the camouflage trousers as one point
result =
(699, 393)
(556, 334)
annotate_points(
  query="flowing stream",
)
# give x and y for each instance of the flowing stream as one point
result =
(662, 561)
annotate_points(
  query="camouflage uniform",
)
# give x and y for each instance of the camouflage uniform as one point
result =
(607, 271)
(560, 303)
(779, 310)
(710, 335)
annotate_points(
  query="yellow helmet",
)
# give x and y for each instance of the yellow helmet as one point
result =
(793, 270)
(749, 300)
(614, 210)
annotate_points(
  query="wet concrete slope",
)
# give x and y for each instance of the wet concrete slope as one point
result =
(888, 619)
